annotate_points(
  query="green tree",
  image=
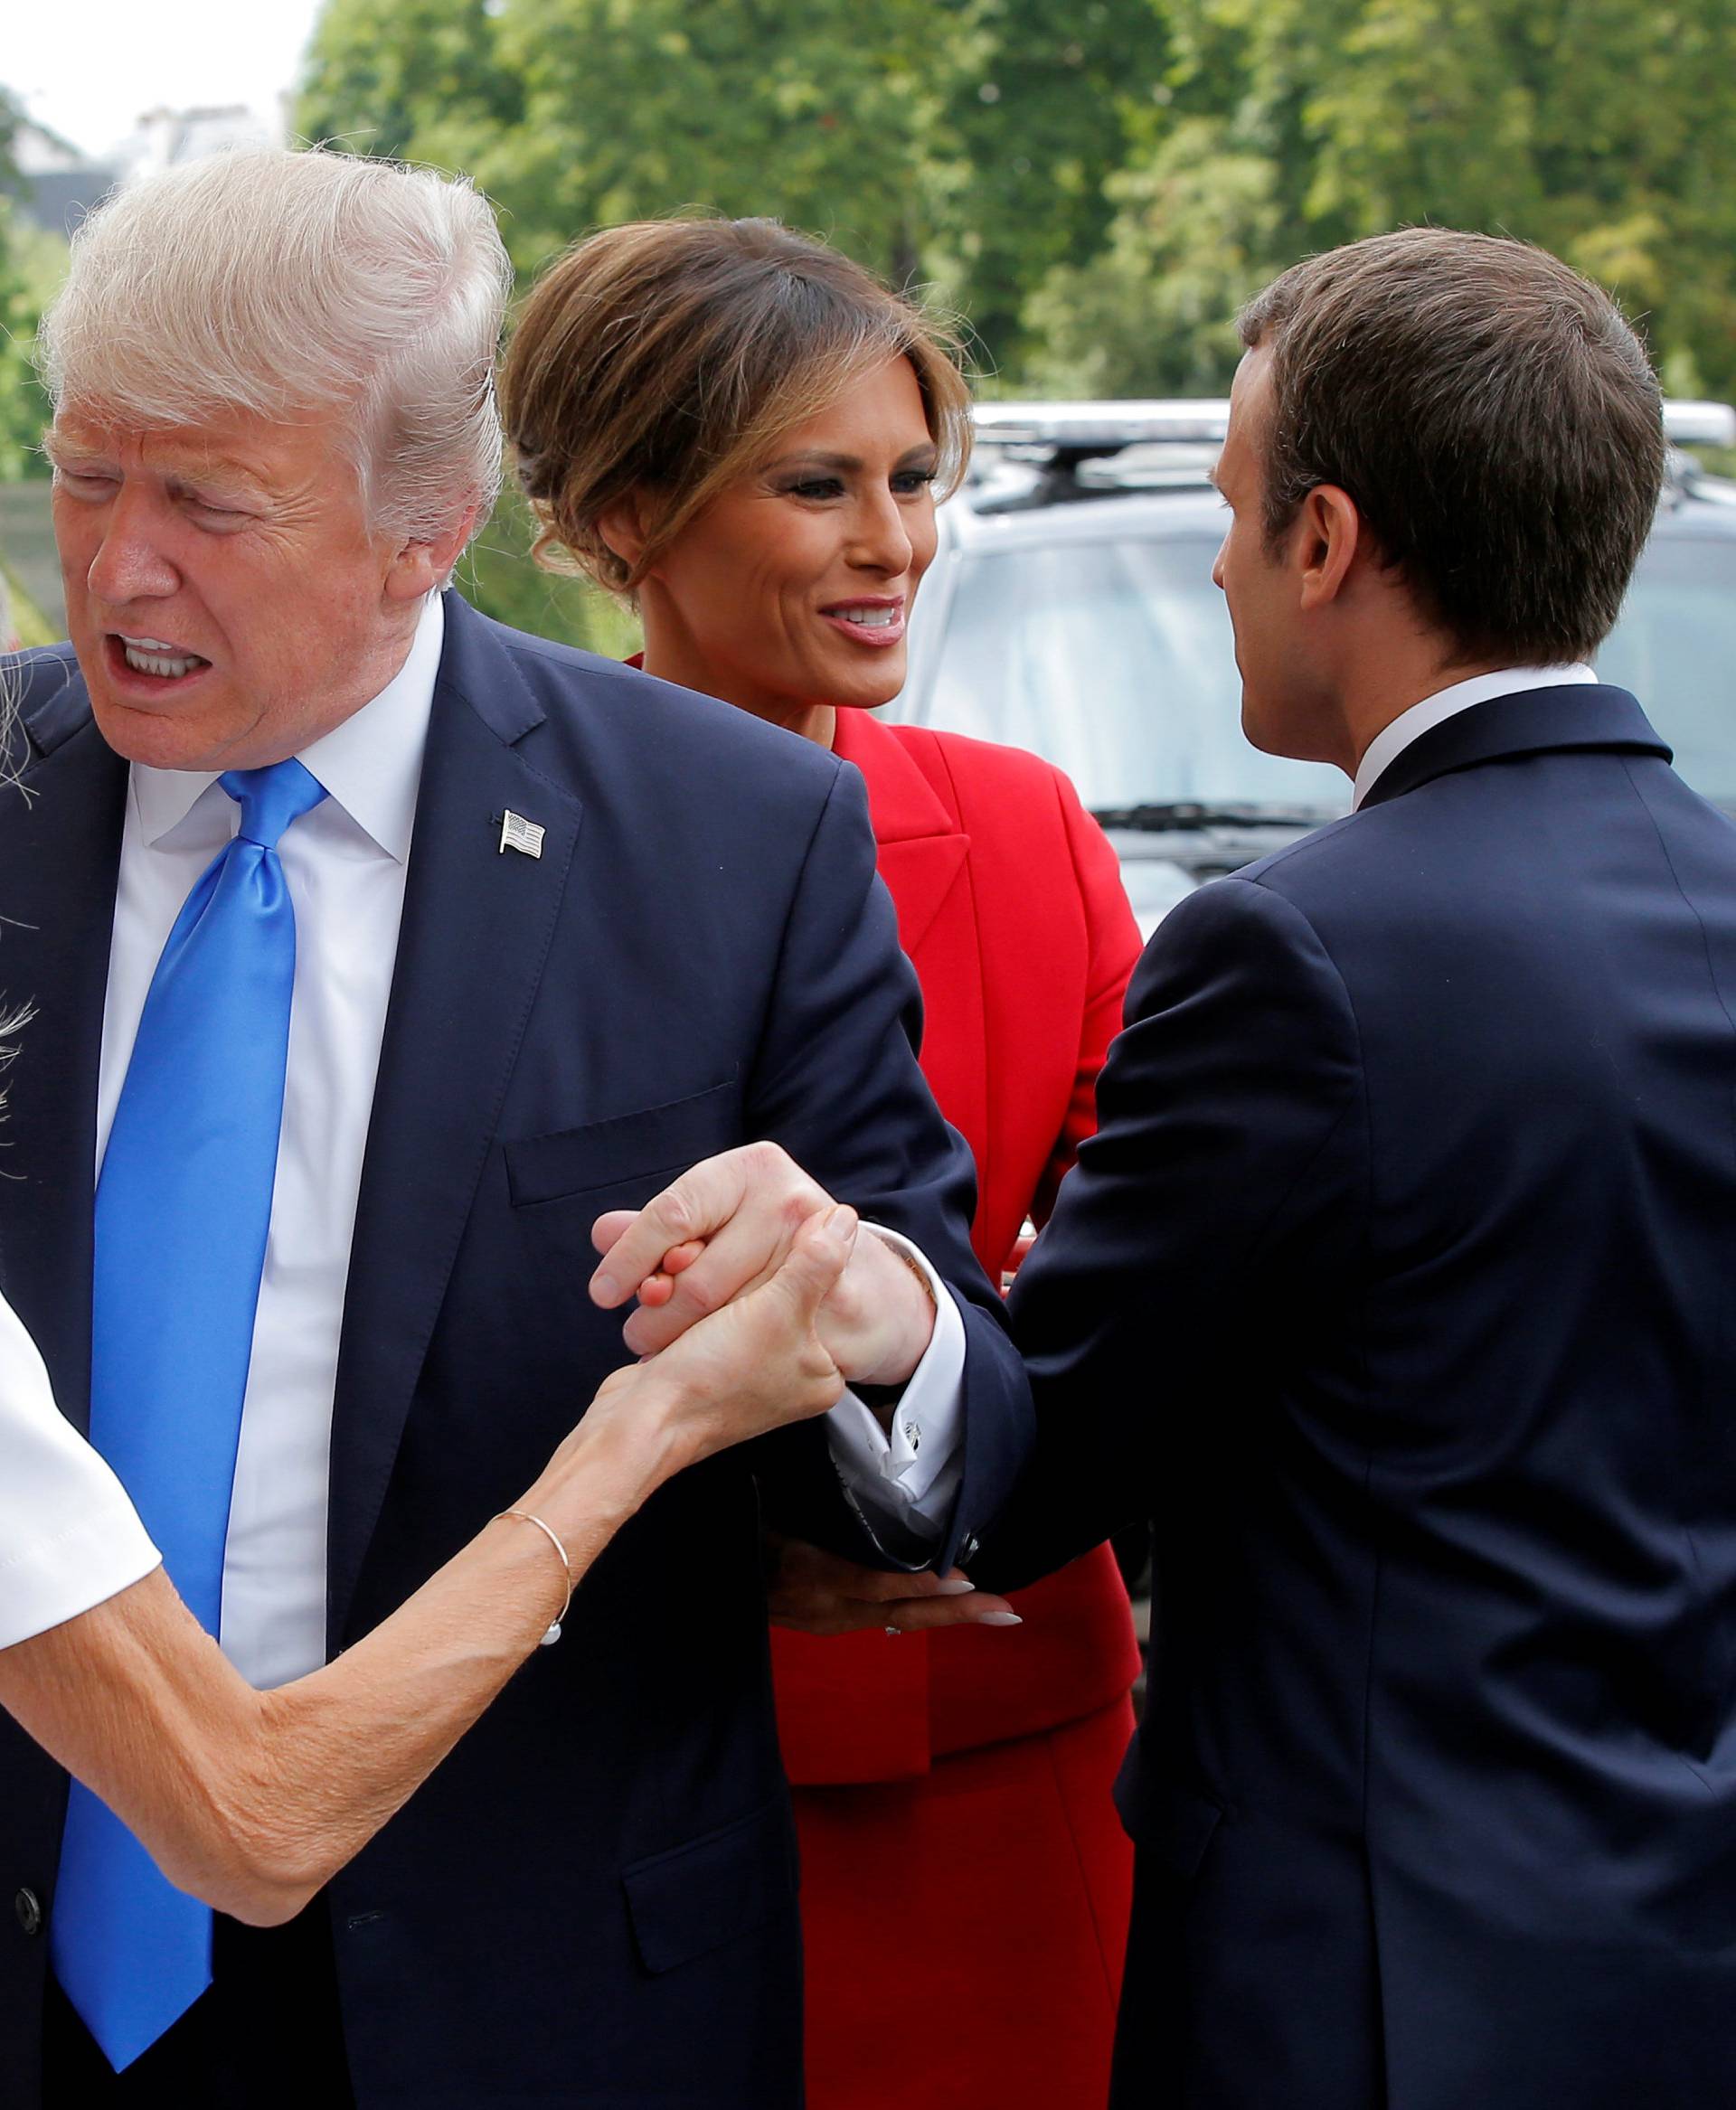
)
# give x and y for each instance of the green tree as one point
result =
(573, 113)
(966, 142)
(26, 275)
(1045, 106)
(962, 145)
(1194, 234)
(1602, 129)
(394, 77)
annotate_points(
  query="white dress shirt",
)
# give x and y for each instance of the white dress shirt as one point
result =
(69, 1537)
(1411, 725)
(344, 863)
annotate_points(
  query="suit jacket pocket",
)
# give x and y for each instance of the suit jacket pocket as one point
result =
(690, 1899)
(628, 1147)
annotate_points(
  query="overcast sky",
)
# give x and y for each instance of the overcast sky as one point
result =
(87, 69)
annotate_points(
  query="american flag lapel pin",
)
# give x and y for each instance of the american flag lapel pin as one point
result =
(518, 834)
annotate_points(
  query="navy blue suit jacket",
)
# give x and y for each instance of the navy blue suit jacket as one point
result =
(594, 1898)
(1400, 1283)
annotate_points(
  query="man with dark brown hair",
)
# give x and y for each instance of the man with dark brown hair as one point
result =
(1399, 1281)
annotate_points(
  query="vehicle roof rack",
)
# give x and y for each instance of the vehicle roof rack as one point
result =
(1700, 424)
(1084, 429)
(1032, 455)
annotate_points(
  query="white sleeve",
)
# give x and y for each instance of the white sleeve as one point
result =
(69, 1537)
(904, 1484)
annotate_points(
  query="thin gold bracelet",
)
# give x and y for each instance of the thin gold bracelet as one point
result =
(525, 1517)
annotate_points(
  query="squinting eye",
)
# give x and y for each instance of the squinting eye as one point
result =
(911, 481)
(83, 484)
(818, 487)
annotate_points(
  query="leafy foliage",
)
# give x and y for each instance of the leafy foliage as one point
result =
(30, 266)
(1603, 129)
(497, 575)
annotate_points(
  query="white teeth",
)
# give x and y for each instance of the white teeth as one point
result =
(151, 663)
(155, 655)
(869, 618)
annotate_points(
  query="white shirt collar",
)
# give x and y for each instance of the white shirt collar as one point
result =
(1410, 725)
(371, 764)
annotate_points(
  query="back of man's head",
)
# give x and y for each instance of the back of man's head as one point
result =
(1493, 419)
(269, 285)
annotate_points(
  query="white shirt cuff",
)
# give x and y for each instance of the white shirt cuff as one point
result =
(904, 1484)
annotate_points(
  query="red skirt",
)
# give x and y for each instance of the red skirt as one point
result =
(965, 1928)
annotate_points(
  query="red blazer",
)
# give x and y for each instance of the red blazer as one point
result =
(1010, 908)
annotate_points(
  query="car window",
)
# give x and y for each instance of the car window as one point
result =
(1676, 648)
(1114, 660)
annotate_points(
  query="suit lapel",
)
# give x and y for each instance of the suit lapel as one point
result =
(60, 855)
(477, 928)
(923, 849)
(924, 857)
(922, 874)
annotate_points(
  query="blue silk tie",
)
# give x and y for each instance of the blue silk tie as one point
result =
(183, 1207)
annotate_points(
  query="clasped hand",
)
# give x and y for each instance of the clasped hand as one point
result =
(725, 1228)
(729, 1228)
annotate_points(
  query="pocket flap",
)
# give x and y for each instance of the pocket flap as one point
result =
(654, 1139)
(690, 1899)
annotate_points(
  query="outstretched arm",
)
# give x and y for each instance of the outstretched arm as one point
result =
(251, 1800)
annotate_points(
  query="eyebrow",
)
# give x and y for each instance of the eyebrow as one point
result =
(848, 461)
(219, 476)
(59, 449)
(217, 472)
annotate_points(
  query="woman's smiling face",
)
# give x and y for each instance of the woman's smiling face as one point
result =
(790, 592)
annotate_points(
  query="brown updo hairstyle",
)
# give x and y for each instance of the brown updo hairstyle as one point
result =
(661, 359)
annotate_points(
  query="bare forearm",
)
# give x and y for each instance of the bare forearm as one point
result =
(252, 1800)
(343, 1748)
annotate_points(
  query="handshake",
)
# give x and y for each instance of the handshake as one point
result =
(760, 1300)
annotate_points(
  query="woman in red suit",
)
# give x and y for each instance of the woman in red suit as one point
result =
(744, 432)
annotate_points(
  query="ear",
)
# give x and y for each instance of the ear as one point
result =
(1326, 537)
(622, 531)
(417, 568)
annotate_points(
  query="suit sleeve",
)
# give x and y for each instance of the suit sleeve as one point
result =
(836, 1084)
(1113, 939)
(1218, 1208)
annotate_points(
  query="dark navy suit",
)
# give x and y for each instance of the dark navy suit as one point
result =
(1400, 1284)
(594, 1898)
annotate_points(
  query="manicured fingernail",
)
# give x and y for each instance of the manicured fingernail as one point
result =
(604, 1288)
(954, 1590)
(1000, 1619)
(842, 1222)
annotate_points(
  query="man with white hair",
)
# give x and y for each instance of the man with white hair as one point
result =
(375, 952)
